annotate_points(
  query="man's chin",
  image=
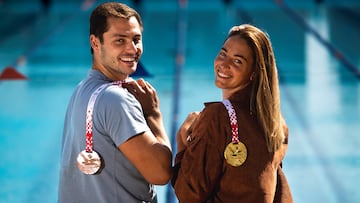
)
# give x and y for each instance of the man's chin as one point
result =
(132, 71)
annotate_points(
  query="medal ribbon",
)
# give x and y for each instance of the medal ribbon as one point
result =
(233, 121)
(89, 113)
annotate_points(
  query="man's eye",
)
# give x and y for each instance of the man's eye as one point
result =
(137, 41)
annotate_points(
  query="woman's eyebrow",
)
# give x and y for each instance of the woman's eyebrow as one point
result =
(237, 55)
(241, 56)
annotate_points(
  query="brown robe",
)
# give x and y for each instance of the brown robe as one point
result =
(201, 174)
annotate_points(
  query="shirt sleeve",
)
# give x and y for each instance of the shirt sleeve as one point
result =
(120, 115)
(198, 169)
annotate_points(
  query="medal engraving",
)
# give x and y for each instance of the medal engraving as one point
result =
(235, 154)
(88, 162)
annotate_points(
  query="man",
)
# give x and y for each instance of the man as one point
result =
(114, 147)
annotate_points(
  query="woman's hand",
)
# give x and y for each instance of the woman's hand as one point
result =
(146, 95)
(184, 134)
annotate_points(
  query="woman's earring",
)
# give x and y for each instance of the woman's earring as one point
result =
(252, 76)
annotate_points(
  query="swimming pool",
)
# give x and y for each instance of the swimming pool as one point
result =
(318, 54)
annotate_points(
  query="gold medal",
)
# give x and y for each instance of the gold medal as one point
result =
(88, 162)
(235, 154)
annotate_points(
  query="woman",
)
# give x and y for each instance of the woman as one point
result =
(232, 151)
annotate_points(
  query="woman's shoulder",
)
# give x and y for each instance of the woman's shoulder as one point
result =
(209, 127)
(213, 111)
(215, 105)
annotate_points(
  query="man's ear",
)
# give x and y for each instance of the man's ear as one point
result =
(94, 42)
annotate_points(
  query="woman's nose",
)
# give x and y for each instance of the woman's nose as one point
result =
(225, 64)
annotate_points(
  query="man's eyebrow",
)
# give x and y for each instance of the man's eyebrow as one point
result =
(125, 35)
(119, 35)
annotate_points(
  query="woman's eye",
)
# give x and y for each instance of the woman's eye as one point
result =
(237, 61)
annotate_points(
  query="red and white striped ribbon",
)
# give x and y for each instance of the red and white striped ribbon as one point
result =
(89, 113)
(233, 121)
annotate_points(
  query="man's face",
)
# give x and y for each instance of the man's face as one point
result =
(117, 57)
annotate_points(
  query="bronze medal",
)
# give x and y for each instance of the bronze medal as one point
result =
(235, 154)
(88, 162)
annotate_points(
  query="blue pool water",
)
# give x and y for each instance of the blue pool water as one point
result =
(317, 47)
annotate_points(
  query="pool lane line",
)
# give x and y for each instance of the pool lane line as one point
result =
(179, 65)
(17, 25)
(331, 48)
(85, 6)
(31, 50)
(22, 58)
(309, 134)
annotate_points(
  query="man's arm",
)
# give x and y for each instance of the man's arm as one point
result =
(150, 152)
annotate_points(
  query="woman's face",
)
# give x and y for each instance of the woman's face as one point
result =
(233, 66)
